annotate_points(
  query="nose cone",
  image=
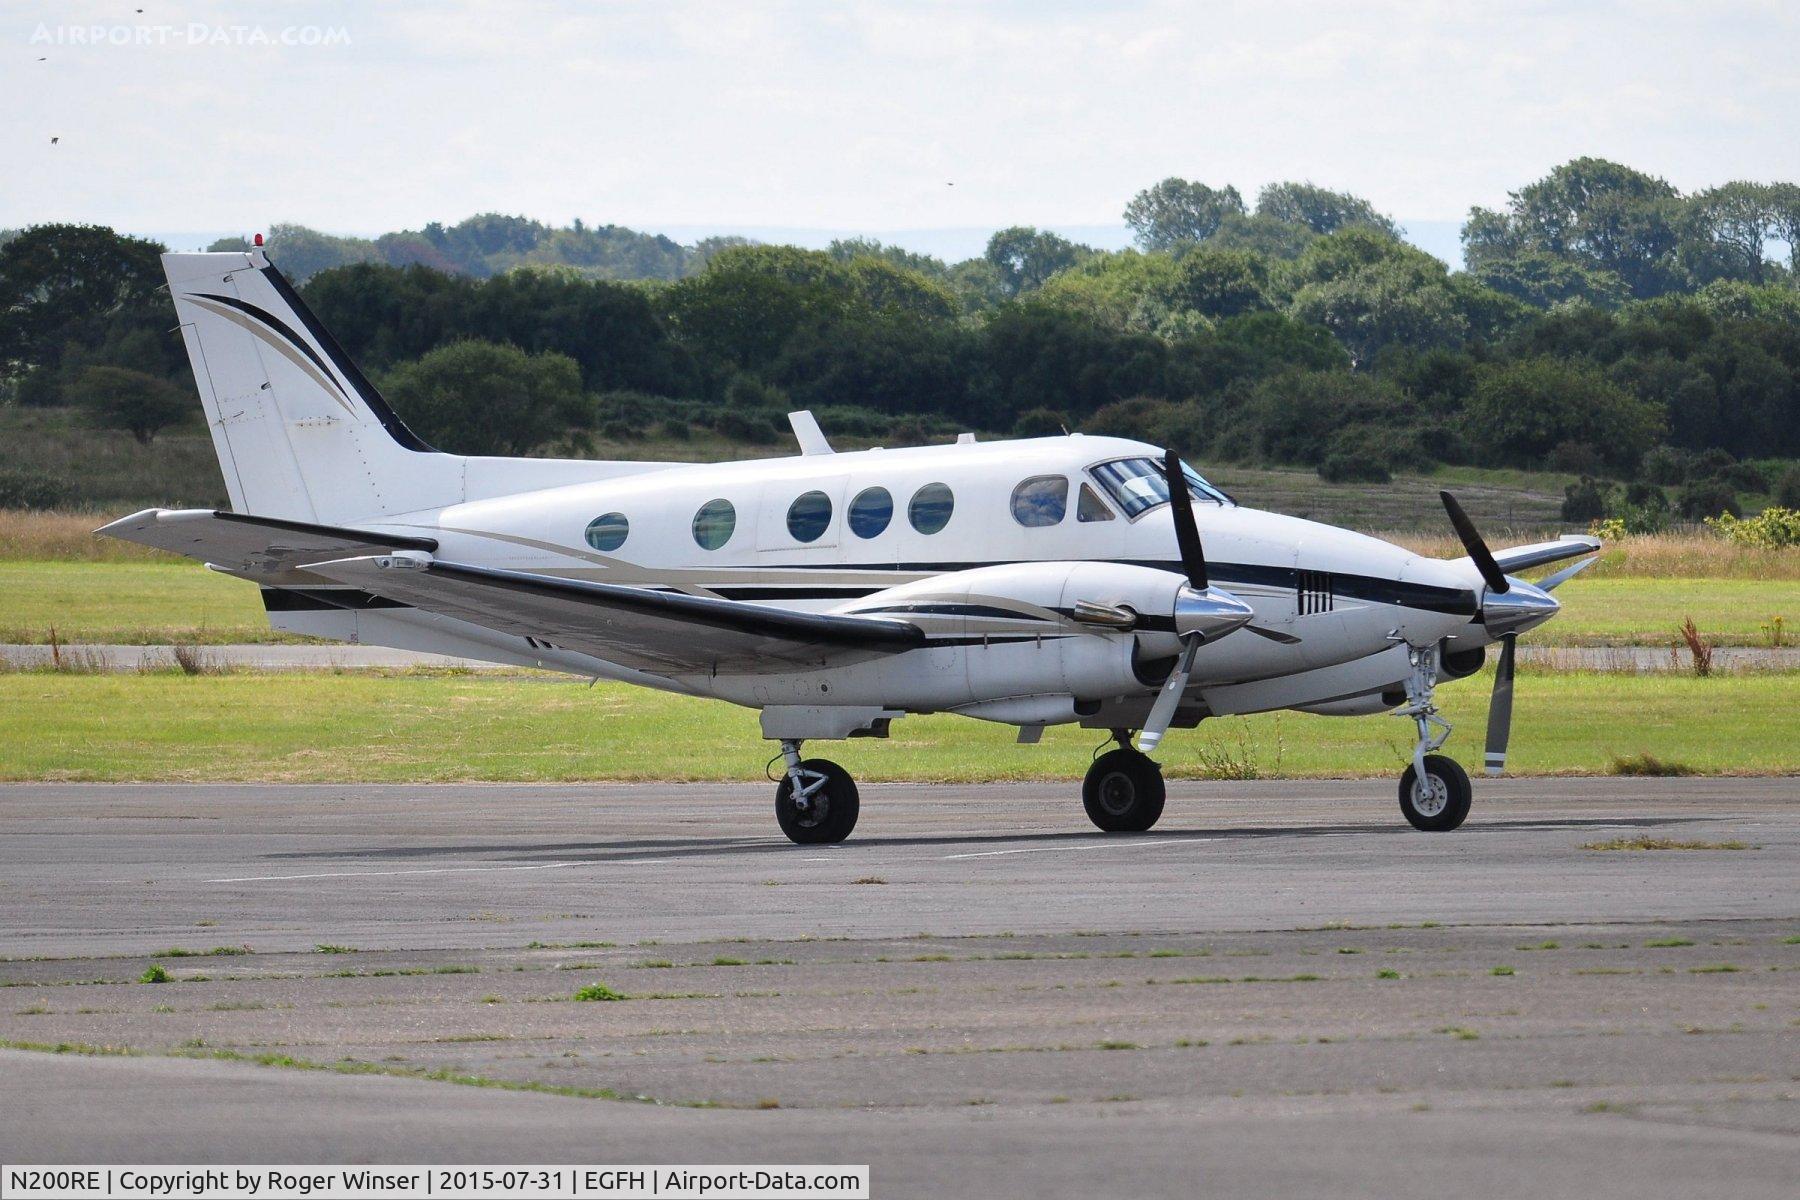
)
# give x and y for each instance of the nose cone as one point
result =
(1522, 606)
(1212, 613)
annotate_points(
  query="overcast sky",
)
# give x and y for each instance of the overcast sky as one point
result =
(860, 115)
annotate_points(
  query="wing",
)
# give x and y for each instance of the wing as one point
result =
(636, 627)
(258, 546)
(1523, 558)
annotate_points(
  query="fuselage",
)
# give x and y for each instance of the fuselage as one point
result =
(829, 531)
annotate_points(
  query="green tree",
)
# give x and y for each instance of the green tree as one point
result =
(140, 404)
(1320, 209)
(1391, 303)
(477, 397)
(1726, 230)
(1267, 238)
(1521, 412)
(1218, 283)
(1178, 210)
(1026, 258)
(1598, 213)
(1544, 280)
(65, 286)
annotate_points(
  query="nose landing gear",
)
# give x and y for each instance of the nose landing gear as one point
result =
(1123, 791)
(1434, 791)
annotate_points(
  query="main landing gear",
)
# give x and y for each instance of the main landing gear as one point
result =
(816, 800)
(1434, 791)
(1123, 791)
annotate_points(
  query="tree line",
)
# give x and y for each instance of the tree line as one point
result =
(1602, 317)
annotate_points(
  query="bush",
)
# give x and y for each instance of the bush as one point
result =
(1523, 411)
(1578, 457)
(31, 489)
(1746, 477)
(753, 427)
(1707, 498)
(1787, 488)
(1772, 529)
(1040, 422)
(140, 404)
(1584, 501)
(478, 397)
(1665, 465)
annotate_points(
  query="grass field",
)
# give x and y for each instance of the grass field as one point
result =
(364, 727)
(139, 603)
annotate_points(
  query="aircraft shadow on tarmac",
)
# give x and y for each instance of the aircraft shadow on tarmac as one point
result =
(628, 850)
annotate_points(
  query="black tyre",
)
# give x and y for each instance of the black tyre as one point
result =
(831, 811)
(1443, 802)
(1123, 791)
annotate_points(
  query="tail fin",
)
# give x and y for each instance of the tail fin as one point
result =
(300, 432)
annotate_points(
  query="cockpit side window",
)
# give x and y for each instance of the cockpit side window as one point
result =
(1090, 507)
(1137, 485)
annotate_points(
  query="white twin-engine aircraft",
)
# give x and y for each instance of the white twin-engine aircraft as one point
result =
(1049, 581)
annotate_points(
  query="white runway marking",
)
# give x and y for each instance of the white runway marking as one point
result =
(419, 871)
(1089, 846)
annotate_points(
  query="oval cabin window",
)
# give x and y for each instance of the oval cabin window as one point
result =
(808, 516)
(871, 511)
(608, 532)
(714, 523)
(930, 508)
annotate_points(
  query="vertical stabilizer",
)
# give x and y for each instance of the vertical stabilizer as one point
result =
(300, 432)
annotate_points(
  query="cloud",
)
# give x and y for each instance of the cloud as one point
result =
(857, 114)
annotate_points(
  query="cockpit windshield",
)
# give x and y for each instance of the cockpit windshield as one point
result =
(1137, 485)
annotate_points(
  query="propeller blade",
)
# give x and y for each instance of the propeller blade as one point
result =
(1274, 635)
(1169, 699)
(1187, 533)
(1551, 582)
(1471, 540)
(1500, 706)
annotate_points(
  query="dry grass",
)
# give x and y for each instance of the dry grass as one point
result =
(1652, 843)
(66, 537)
(1684, 554)
(1648, 765)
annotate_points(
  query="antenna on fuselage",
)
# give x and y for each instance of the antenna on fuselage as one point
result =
(808, 434)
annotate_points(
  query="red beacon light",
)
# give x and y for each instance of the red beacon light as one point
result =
(258, 239)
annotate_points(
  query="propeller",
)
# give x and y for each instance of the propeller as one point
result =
(1200, 612)
(1499, 728)
(1483, 559)
(1187, 531)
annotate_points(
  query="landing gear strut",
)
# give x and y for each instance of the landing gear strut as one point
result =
(1123, 791)
(816, 800)
(1434, 791)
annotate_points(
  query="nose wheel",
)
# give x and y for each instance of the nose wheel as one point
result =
(1434, 790)
(1123, 791)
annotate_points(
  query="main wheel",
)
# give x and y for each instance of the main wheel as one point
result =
(830, 812)
(1123, 791)
(1441, 802)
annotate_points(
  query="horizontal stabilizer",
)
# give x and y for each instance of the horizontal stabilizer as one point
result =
(1523, 558)
(656, 631)
(251, 545)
